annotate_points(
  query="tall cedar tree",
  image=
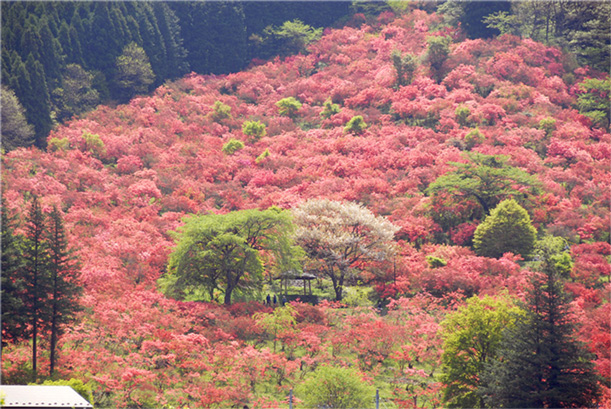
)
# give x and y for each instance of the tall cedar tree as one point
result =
(63, 269)
(541, 364)
(13, 308)
(36, 278)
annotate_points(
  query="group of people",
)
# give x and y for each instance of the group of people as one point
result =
(273, 301)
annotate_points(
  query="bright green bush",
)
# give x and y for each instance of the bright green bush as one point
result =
(336, 387)
(329, 109)
(232, 146)
(356, 125)
(462, 114)
(261, 157)
(254, 129)
(221, 111)
(58, 144)
(288, 107)
(506, 229)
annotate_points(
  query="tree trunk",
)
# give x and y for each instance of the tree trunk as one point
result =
(228, 292)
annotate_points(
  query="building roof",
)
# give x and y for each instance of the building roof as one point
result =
(41, 396)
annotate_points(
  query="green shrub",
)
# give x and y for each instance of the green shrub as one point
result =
(336, 387)
(473, 138)
(356, 125)
(462, 114)
(288, 107)
(221, 111)
(94, 144)
(548, 125)
(329, 109)
(436, 262)
(261, 157)
(254, 129)
(507, 229)
(232, 146)
(58, 144)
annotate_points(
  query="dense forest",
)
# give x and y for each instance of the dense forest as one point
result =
(236, 204)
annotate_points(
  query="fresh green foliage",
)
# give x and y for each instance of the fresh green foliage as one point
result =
(229, 251)
(336, 387)
(254, 129)
(292, 37)
(16, 131)
(76, 94)
(94, 144)
(232, 146)
(58, 144)
(355, 125)
(329, 109)
(473, 138)
(548, 125)
(288, 107)
(594, 101)
(507, 229)
(485, 178)
(436, 262)
(462, 114)
(221, 111)
(134, 74)
(262, 157)
(472, 336)
(552, 254)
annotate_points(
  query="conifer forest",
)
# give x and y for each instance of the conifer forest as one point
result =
(269, 204)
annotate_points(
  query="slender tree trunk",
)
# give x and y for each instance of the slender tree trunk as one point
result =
(54, 327)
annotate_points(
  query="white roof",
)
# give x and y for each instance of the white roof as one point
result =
(43, 396)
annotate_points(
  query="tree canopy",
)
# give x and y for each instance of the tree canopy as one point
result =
(229, 252)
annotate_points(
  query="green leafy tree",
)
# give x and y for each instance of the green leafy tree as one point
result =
(229, 251)
(292, 37)
(64, 290)
(254, 129)
(355, 125)
(232, 146)
(16, 131)
(540, 363)
(472, 336)
(339, 238)
(133, 72)
(288, 107)
(336, 387)
(486, 178)
(506, 229)
(329, 109)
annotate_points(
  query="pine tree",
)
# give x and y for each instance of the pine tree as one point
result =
(540, 362)
(35, 277)
(63, 270)
(13, 307)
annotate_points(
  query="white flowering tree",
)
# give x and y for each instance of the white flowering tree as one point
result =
(340, 238)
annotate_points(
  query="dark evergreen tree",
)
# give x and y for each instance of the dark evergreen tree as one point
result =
(63, 270)
(14, 325)
(37, 102)
(540, 363)
(35, 275)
